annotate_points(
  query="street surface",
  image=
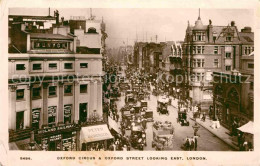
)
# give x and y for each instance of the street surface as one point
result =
(206, 142)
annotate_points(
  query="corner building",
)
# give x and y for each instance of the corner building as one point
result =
(207, 49)
(55, 82)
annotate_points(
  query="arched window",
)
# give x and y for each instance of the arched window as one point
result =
(92, 30)
(218, 90)
(233, 95)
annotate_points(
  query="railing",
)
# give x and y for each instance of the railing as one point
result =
(19, 134)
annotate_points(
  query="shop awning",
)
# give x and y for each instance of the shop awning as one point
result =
(247, 128)
(95, 133)
(113, 124)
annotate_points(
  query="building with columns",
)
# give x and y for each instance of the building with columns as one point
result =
(55, 84)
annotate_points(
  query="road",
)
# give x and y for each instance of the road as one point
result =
(206, 142)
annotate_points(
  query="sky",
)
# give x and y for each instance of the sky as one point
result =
(127, 25)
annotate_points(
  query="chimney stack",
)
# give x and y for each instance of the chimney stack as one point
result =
(232, 23)
(56, 14)
(62, 20)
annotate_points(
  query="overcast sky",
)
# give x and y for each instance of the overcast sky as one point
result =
(168, 24)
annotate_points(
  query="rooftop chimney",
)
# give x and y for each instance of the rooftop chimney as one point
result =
(232, 23)
(56, 14)
(62, 20)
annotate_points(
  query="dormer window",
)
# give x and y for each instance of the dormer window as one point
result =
(228, 38)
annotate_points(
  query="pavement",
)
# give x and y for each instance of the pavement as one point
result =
(221, 132)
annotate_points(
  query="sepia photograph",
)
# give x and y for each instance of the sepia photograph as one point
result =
(75, 84)
(98, 85)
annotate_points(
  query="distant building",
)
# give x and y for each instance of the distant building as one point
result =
(148, 56)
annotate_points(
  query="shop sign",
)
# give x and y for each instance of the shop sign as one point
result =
(52, 111)
(55, 137)
(36, 115)
(67, 110)
(41, 131)
(50, 45)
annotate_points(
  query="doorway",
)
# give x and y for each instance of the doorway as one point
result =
(83, 112)
(19, 120)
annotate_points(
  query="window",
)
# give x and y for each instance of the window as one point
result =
(200, 36)
(52, 91)
(216, 50)
(52, 66)
(198, 76)
(214, 38)
(20, 66)
(67, 113)
(83, 65)
(36, 117)
(194, 49)
(199, 49)
(67, 65)
(250, 65)
(19, 94)
(52, 115)
(228, 68)
(83, 88)
(67, 89)
(202, 62)
(36, 93)
(37, 66)
(228, 38)
(228, 55)
(194, 62)
(198, 62)
(251, 85)
(202, 50)
(202, 76)
(245, 50)
(216, 63)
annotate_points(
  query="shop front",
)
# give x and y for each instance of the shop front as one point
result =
(60, 138)
(94, 138)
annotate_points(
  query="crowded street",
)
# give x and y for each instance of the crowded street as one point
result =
(206, 140)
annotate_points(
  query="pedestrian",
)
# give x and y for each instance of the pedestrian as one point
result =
(195, 142)
(192, 144)
(239, 138)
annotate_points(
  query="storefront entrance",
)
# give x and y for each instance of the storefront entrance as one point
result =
(55, 145)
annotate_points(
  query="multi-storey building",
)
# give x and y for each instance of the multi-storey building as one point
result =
(234, 92)
(55, 84)
(148, 56)
(172, 67)
(209, 48)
